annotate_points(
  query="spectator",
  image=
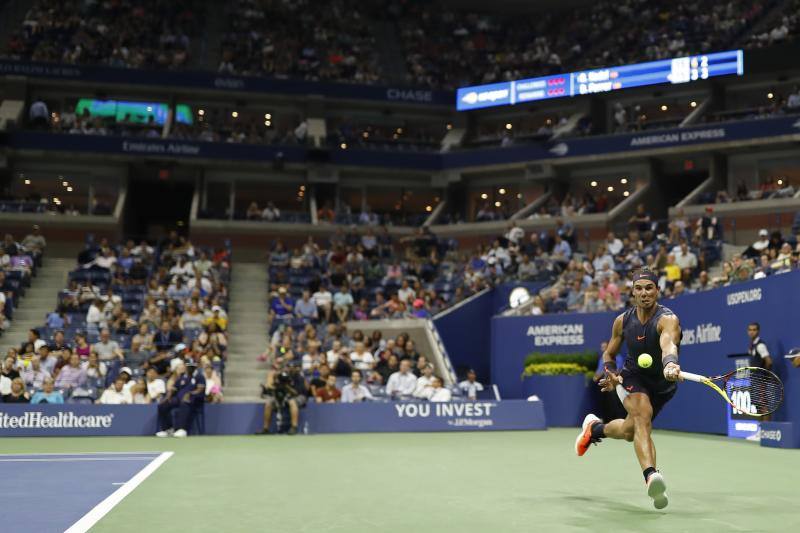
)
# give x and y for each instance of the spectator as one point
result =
(424, 386)
(440, 393)
(355, 392)
(282, 306)
(106, 348)
(672, 272)
(166, 338)
(306, 306)
(48, 394)
(342, 303)
(33, 374)
(403, 382)
(72, 375)
(686, 260)
(324, 302)
(759, 246)
(116, 394)
(17, 394)
(329, 393)
(94, 368)
(470, 387)
(361, 357)
(213, 384)
(271, 213)
(156, 388)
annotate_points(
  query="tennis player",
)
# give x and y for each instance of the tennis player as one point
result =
(650, 328)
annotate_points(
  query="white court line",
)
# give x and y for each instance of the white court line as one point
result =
(101, 509)
(78, 453)
(73, 459)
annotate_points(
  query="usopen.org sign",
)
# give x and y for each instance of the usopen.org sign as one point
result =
(61, 420)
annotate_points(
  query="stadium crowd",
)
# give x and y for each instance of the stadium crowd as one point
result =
(144, 34)
(300, 39)
(442, 47)
(19, 261)
(134, 324)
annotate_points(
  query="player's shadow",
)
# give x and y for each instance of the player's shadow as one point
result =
(610, 504)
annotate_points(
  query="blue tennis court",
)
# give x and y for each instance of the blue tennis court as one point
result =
(69, 492)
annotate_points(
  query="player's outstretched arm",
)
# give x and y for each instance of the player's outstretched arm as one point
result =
(612, 378)
(670, 336)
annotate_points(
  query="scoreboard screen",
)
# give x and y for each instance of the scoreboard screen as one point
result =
(675, 71)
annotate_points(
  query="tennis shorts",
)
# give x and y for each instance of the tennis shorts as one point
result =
(659, 391)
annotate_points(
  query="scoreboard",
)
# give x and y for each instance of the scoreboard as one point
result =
(675, 71)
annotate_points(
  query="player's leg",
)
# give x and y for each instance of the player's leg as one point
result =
(640, 413)
(641, 410)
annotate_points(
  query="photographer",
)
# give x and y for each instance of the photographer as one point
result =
(284, 388)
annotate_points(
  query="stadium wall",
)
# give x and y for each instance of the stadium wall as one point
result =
(714, 326)
(467, 341)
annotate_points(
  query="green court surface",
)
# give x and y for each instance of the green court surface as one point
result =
(496, 482)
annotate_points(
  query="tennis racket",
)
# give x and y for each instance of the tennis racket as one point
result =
(748, 390)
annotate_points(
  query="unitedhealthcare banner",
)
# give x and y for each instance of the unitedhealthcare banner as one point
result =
(714, 325)
(20, 420)
(228, 83)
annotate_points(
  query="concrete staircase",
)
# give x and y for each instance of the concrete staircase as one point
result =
(40, 299)
(247, 333)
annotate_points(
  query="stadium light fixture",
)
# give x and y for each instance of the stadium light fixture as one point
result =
(69, 189)
(302, 187)
(623, 181)
(780, 182)
(626, 194)
(235, 114)
(201, 112)
(519, 195)
(268, 123)
(693, 103)
(484, 196)
(664, 107)
(508, 126)
(593, 184)
(428, 208)
(501, 191)
(610, 188)
(65, 183)
(268, 116)
(498, 204)
(27, 181)
(399, 131)
(365, 135)
(770, 96)
(343, 146)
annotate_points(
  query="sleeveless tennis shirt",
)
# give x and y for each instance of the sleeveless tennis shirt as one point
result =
(644, 338)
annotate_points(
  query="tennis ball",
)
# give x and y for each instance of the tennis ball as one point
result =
(645, 360)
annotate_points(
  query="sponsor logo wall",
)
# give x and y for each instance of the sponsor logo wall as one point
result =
(246, 418)
(714, 325)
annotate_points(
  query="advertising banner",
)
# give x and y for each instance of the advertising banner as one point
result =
(425, 416)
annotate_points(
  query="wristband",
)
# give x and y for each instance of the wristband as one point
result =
(667, 359)
(610, 366)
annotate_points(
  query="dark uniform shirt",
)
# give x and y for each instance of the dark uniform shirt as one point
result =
(644, 338)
